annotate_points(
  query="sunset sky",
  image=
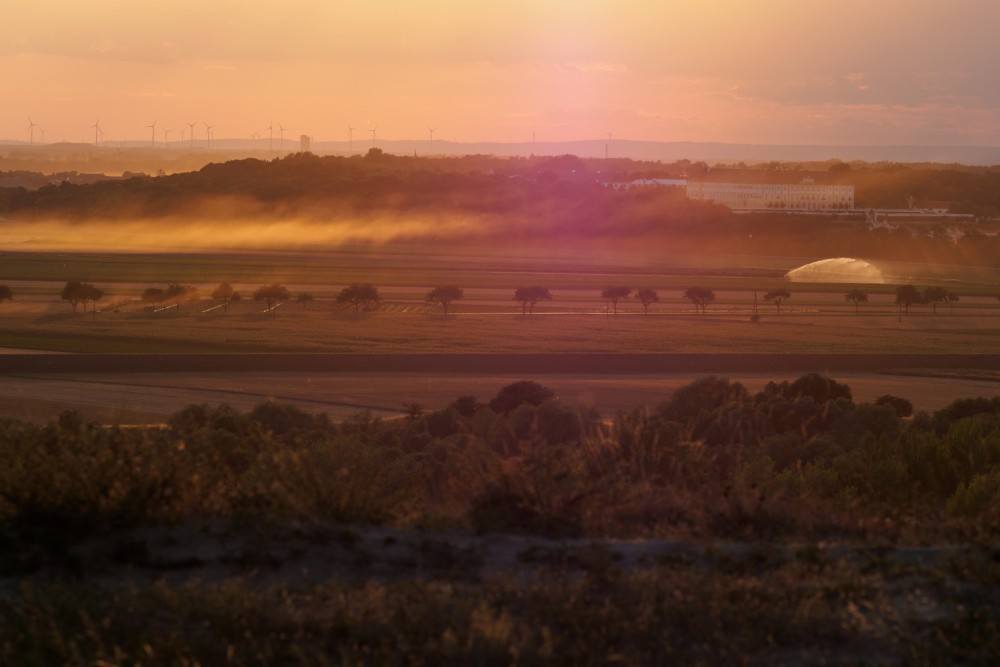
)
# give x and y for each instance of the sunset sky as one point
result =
(768, 71)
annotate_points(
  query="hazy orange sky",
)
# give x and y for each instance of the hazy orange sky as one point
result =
(766, 71)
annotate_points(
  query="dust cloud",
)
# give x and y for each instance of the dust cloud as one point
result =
(259, 234)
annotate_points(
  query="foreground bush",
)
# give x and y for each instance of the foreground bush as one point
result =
(798, 459)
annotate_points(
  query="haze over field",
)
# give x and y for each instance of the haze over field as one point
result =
(838, 72)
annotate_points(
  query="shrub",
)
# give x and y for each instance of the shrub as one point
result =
(517, 393)
(704, 394)
(901, 406)
(980, 496)
(819, 387)
(557, 423)
(283, 418)
(962, 408)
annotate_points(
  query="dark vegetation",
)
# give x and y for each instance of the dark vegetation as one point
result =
(226, 294)
(615, 294)
(646, 296)
(856, 296)
(444, 295)
(799, 461)
(700, 297)
(272, 294)
(77, 293)
(529, 296)
(909, 295)
(537, 200)
(361, 296)
(777, 297)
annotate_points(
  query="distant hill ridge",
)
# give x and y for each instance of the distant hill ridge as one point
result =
(667, 151)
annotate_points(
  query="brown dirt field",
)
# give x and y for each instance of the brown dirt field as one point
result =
(149, 388)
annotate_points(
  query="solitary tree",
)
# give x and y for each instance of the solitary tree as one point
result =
(529, 296)
(857, 296)
(174, 292)
(700, 297)
(94, 294)
(907, 295)
(304, 299)
(613, 294)
(777, 296)
(226, 294)
(934, 296)
(76, 293)
(647, 296)
(444, 295)
(517, 393)
(6, 294)
(952, 299)
(271, 294)
(359, 295)
(902, 407)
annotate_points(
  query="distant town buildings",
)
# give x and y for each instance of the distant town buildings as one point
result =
(649, 183)
(772, 190)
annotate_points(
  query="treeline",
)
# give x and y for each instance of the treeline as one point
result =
(518, 202)
(798, 459)
(492, 182)
(304, 184)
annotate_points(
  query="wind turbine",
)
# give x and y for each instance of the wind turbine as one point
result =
(153, 128)
(281, 136)
(42, 130)
(606, 146)
(430, 148)
(270, 135)
(31, 129)
(350, 138)
(373, 135)
(208, 133)
(166, 136)
(191, 125)
(97, 130)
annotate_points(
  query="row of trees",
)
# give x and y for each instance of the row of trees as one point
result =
(80, 293)
(908, 295)
(701, 297)
(364, 296)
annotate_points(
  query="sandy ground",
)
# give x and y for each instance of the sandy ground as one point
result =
(153, 397)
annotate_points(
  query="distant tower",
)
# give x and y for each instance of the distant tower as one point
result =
(304, 142)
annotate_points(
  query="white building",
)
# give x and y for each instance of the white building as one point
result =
(648, 183)
(772, 190)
